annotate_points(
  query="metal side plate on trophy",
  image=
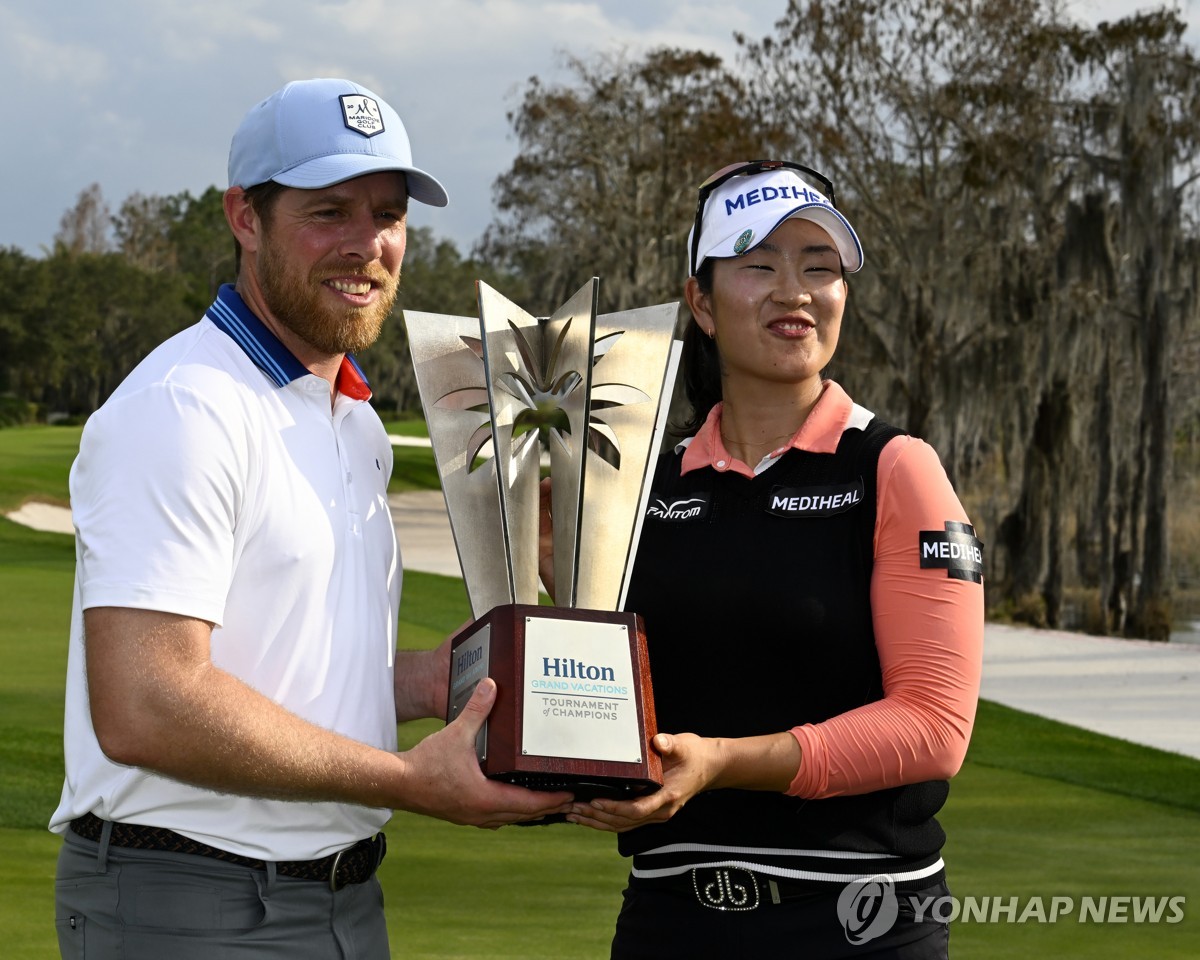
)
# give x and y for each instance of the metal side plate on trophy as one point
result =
(504, 395)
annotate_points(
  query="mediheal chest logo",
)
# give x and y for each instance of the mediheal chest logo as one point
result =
(361, 114)
(955, 550)
(815, 501)
(677, 510)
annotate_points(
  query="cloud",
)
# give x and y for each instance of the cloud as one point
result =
(143, 96)
(195, 34)
(38, 59)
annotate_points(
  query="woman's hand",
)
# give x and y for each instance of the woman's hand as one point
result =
(690, 764)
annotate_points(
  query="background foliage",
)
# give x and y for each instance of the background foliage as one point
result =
(1026, 192)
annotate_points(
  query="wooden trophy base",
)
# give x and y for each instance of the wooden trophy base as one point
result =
(574, 703)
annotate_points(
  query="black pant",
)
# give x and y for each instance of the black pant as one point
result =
(659, 921)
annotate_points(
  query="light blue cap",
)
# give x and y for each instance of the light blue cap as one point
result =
(315, 133)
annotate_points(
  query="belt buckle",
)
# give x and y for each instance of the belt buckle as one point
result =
(333, 869)
(725, 888)
(378, 845)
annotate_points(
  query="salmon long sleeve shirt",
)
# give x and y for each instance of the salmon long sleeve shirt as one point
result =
(928, 630)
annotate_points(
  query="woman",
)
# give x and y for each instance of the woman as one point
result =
(815, 627)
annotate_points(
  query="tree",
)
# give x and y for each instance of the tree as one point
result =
(85, 227)
(981, 146)
(179, 233)
(142, 231)
(104, 317)
(931, 115)
(202, 244)
(604, 183)
(1154, 166)
(27, 291)
(913, 109)
(435, 279)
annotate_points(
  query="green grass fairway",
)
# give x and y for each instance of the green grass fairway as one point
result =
(1025, 818)
(35, 463)
(1040, 808)
(413, 468)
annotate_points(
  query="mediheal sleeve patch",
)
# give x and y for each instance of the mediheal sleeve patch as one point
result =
(956, 550)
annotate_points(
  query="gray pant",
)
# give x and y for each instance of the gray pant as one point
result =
(113, 903)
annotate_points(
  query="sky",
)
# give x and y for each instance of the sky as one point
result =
(142, 96)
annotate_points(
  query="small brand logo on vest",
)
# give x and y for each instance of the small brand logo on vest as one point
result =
(815, 501)
(693, 508)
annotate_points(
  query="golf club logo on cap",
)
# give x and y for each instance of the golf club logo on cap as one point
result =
(361, 114)
(743, 242)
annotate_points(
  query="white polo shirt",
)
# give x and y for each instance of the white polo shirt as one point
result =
(217, 483)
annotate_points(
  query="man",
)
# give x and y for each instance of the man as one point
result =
(233, 687)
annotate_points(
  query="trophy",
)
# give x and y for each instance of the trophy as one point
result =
(508, 396)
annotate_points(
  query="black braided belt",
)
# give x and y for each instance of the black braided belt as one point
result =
(355, 864)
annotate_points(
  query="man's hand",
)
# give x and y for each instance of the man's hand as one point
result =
(445, 780)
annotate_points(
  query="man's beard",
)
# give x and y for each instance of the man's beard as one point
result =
(295, 301)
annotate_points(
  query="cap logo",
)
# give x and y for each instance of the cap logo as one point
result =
(362, 114)
(741, 244)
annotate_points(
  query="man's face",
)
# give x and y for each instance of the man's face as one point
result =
(329, 260)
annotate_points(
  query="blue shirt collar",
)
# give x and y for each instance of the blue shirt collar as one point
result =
(231, 315)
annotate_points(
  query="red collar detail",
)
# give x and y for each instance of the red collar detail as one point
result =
(350, 381)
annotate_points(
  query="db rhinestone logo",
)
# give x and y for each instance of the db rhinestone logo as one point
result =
(361, 114)
(867, 908)
(725, 889)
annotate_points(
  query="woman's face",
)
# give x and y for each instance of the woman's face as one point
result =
(777, 310)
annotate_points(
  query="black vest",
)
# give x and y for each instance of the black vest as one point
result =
(756, 599)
